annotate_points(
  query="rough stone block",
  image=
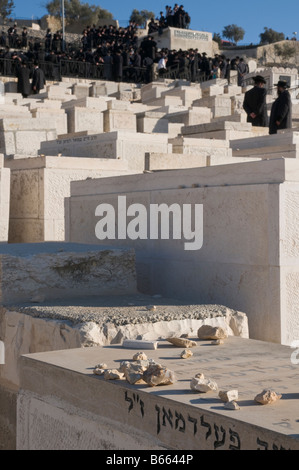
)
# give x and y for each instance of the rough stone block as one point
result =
(115, 120)
(4, 201)
(39, 187)
(81, 90)
(127, 146)
(191, 116)
(56, 117)
(189, 145)
(85, 119)
(28, 142)
(99, 104)
(61, 270)
(2, 93)
(215, 81)
(103, 89)
(149, 125)
(218, 125)
(186, 94)
(212, 90)
(220, 105)
(167, 100)
(152, 91)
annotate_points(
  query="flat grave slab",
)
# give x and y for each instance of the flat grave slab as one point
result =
(163, 417)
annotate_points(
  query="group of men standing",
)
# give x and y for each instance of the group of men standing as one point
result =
(24, 75)
(255, 106)
(175, 17)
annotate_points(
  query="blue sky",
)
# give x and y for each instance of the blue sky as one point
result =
(211, 15)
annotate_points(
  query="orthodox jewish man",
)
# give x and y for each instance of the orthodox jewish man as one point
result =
(255, 103)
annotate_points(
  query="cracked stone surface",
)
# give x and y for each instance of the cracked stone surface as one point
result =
(63, 270)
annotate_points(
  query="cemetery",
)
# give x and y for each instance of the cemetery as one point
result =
(76, 307)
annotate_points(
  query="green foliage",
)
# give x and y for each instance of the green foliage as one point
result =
(217, 38)
(233, 32)
(141, 17)
(269, 36)
(54, 7)
(6, 8)
(285, 51)
(75, 10)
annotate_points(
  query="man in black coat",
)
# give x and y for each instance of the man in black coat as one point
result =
(117, 66)
(281, 111)
(23, 74)
(38, 79)
(255, 103)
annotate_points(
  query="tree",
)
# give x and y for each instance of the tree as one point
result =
(75, 10)
(141, 17)
(217, 38)
(6, 8)
(233, 32)
(269, 36)
(285, 51)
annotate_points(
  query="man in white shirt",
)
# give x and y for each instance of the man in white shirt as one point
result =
(162, 65)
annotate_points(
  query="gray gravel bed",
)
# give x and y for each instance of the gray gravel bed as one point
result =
(120, 310)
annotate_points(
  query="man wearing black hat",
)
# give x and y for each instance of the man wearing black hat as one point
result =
(255, 103)
(38, 79)
(281, 111)
(23, 74)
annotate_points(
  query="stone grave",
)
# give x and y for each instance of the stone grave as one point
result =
(61, 413)
(173, 161)
(24, 136)
(189, 145)
(248, 258)
(220, 105)
(187, 94)
(227, 130)
(59, 296)
(38, 188)
(57, 118)
(4, 200)
(2, 93)
(283, 144)
(127, 146)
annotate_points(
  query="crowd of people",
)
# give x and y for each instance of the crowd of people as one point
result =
(117, 51)
(175, 17)
(195, 62)
(13, 39)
